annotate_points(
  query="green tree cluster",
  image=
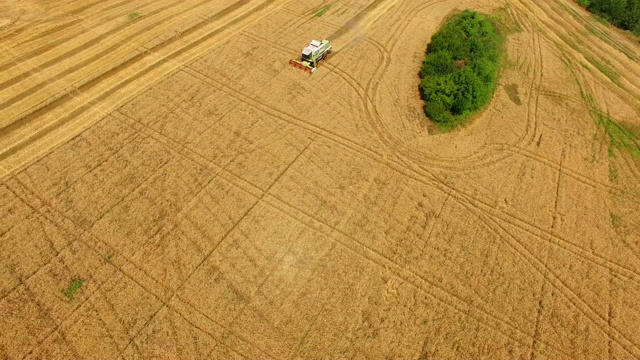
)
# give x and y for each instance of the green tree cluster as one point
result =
(624, 14)
(460, 70)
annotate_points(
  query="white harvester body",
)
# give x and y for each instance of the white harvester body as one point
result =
(312, 54)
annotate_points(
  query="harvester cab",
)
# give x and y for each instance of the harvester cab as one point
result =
(311, 55)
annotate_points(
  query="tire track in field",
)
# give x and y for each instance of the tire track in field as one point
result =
(50, 214)
(574, 299)
(192, 155)
(180, 212)
(229, 29)
(104, 323)
(558, 241)
(524, 225)
(606, 264)
(551, 28)
(364, 93)
(94, 59)
(67, 38)
(426, 178)
(289, 118)
(631, 164)
(593, 26)
(56, 252)
(125, 142)
(574, 175)
(257, 201)
(594, 111)
(589, 101)
(353, 83)
(478, 161)
(349, 80)
(579, 304)
(578, 23)
(487, 219)
(540, 232)
(363, 15)
(491, 222)
(173, 225)
(485, 156)
(344, 75)
(45, 214)
(69, 15)
(373, 83)
(515, 150)
(186, 311)
(160, 293)
(545, 260)
(373, 116)
(418, 281)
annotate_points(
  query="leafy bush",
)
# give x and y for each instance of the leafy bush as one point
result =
(621, 13)
(460, 70)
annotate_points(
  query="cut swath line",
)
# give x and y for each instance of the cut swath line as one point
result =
(164, 61)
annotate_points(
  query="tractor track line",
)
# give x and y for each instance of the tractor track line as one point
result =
(527, 226)
(86, 231)
(475, 161)
(514, 149)
(16, 31)
(433, 181)
(466, 201)
(46, 32)
(418, 281)
(574, 304)
(166, 59)
(67, 38)
(602, 78)
(556, 281)
(487, 209)
(158, 295)
(97, 40)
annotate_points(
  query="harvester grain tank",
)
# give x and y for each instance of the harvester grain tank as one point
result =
(312, 54)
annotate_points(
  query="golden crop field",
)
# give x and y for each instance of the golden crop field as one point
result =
(171, 188)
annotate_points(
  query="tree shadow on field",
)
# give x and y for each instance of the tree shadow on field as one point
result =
(512, 92)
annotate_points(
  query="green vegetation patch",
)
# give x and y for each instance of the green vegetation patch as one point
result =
(73, 288)
(602, 36)
(322, 10)
(620, 136)
(134, 16)
(460, 70)
(503, 20)
(624, 14)
(613, 173)
(616, 221)
(604, 68)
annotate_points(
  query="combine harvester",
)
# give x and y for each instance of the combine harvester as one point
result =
(314, 52)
